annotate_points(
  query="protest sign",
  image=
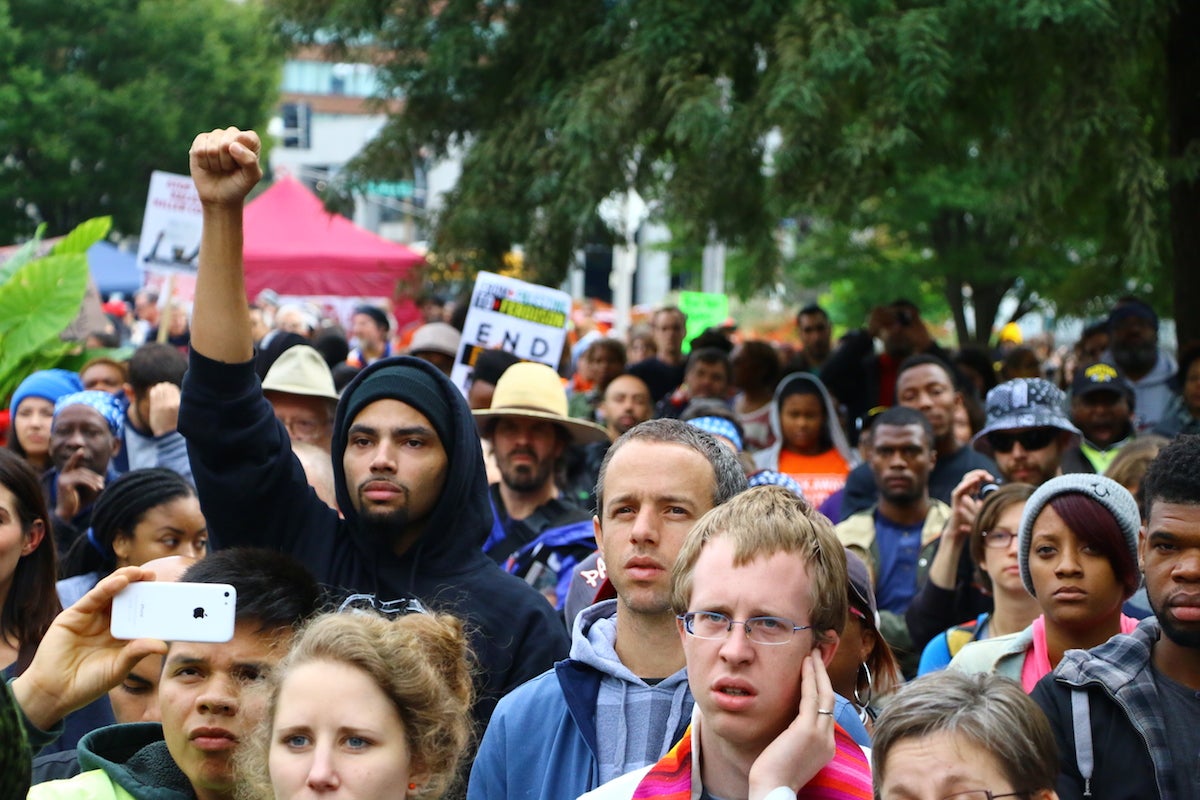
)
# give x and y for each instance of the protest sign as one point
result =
(170, 241)
(704, 310)
(527, 320)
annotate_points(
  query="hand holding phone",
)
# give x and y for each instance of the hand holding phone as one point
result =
(183, 612)
(78, 659)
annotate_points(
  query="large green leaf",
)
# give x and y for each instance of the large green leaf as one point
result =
(23, 256)
(36, 305)
(84, 236)
(54, 354)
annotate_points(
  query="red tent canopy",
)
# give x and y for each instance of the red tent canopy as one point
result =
(292, 245)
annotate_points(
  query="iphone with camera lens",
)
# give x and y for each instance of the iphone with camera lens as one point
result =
(179, 612)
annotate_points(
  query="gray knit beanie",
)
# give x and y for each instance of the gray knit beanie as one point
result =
(1105, 491)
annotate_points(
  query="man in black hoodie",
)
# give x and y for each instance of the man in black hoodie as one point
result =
(408, 465)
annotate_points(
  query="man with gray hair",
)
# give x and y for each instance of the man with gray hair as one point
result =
(622, 699)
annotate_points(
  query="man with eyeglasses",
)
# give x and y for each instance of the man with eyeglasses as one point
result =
(1027, 433)
(759, 590)
(299, 387)
(896, 537)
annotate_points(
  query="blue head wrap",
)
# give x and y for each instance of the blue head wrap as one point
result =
(105, 404)
(718, 426)
(769, 477)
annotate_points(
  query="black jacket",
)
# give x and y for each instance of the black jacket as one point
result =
(253, 492)
(1128, 756)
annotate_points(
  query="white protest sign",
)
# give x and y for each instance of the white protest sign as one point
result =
(527, 320)
(171, 225)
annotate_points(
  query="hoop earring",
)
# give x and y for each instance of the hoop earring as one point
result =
(863, 702)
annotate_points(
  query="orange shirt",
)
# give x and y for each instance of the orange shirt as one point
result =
(819, 476)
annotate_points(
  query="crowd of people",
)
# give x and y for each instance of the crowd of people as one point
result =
(737, 572)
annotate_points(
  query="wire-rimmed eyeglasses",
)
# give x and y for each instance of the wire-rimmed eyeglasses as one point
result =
(763, 630)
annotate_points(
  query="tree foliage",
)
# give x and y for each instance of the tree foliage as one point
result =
(99, 93)
(993, 145)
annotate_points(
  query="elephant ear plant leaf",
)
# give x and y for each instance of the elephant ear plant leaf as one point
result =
(39, 297)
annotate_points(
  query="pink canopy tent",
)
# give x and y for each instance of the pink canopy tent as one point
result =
(294, 246)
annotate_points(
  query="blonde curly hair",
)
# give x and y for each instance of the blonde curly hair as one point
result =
(419, 661)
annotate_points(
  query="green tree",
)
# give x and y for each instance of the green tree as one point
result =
(993, 145)
(99, 93)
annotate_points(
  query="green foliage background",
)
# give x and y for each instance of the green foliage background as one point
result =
(980, 146)
(97, 94)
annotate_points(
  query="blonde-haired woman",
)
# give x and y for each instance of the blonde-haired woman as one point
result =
(367, 707)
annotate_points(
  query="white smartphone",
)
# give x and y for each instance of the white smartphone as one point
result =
(180, 612)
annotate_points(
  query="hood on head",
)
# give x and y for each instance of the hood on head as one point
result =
(462, 513)
(836, 434)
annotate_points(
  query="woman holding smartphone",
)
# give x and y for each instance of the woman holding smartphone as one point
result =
(993, 548)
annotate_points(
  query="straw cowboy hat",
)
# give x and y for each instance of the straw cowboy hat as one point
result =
(534, 391)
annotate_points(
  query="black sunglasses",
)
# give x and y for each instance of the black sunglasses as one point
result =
(1033, 439)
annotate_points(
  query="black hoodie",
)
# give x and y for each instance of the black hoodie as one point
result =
(253, 492)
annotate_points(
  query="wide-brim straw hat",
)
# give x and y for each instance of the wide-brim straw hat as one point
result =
(530, 390)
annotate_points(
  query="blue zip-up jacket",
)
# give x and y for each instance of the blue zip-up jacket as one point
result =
(542, 742)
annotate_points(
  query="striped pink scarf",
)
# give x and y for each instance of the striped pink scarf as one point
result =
(846, 777)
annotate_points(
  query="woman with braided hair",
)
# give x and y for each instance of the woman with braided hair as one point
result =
(143, 515)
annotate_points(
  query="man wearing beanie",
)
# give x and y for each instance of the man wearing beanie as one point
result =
(369, 327)
(407, 461)
(1124, 713)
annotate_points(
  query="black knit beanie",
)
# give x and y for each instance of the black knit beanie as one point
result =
(408, 384)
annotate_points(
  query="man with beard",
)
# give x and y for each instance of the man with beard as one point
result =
(862, 380)
(538, 534)
(896, 537)
(1124, 713)
(1133, 347)
(407, 462)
